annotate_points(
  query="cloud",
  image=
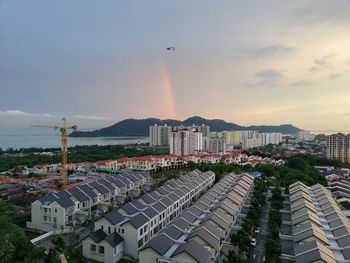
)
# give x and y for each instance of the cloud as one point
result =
(322, 63)
(13, 112)
(300, 83)
(274, 51)
(325, 12)
(266, 78)
(264, 52)
(334, 76)
(22, 113)
(90, 117)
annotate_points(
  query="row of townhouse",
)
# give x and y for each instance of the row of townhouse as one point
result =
(198, 234)
(147, 163)
(321, 232)
(75, 206)
(135, 223)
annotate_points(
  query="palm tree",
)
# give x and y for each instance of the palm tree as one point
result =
(7, 251)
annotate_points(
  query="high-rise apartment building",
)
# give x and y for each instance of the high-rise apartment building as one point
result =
(183, 142)
(232, 137)
(159, 135)
(214, 143)
(338, 147)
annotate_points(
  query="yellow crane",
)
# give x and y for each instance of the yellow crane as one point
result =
(64, 139)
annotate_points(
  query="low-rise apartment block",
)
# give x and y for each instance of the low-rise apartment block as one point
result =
(138, 221)
(75, 206)
(198, 233)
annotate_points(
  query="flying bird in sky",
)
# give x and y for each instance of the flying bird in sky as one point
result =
(170, 48)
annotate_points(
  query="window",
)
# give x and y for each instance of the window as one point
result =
(140, 243)
(141, 231)
(55, 210)
(101, 227)
(122, 231)
(93, 247)
(115, 251)
(109, 230)
(101, 249)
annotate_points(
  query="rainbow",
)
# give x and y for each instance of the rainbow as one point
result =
(169, 90)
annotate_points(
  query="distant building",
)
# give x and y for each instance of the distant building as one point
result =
(252, 142)
(303, 136)
(204, 129)
(261, 139)
(215, 143)
(159, 135)
(11, 191)
(232, 138)
(185, 141)
(338, 147)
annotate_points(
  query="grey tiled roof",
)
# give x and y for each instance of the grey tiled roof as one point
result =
(159, 207)
(137, 204)
(100, 188)
(114, 217)
(129, 209)
(98, 235)
(48, 198)
(79, 195)
(147, 198)
(195, 250)
(150, 212)
(173, 232)
(160, 244)
(114, 239)
(88, 190)
(65, 202)
(138, 220)
(166, 201)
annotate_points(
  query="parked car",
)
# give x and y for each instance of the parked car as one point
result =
(253, 242)
(257, 230)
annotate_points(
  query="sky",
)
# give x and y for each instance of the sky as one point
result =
(247, 62)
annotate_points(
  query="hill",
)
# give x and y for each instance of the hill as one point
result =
(135, 127)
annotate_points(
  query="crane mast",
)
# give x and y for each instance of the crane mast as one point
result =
(64, 140)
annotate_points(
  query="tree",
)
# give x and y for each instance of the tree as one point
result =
(242, 240)
(234, 257)
(7, 251)
(59, 243)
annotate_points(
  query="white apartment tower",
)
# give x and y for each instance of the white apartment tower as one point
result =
(185, 141)
(159, 135)
(338, 147)
(180, 142)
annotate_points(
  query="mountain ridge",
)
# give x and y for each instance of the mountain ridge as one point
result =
(140, 127)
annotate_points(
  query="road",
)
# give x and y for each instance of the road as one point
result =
(257, 253)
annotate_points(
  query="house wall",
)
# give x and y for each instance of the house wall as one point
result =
(108, 257)
(130, 238)
(184, 258)
(149, 256)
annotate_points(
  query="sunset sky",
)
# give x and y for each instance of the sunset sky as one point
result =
(248, 62)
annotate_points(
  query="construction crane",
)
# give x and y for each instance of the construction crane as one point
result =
(64, 139)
